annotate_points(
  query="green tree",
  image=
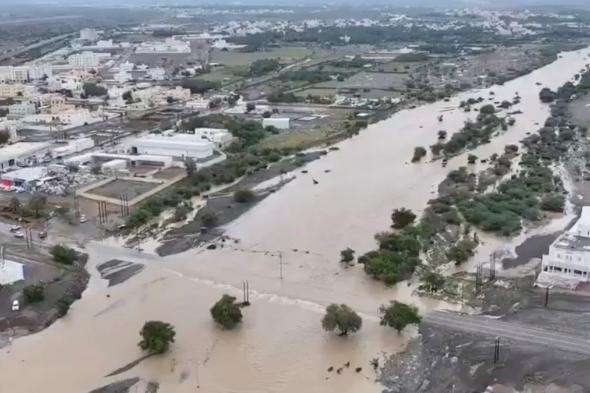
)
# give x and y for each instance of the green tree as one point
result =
(190, 165)
(402, 218)
(347, 255)
(209, 219)
(93, 90)
(156, 336)
(553, 203)
(419, 153)
(341, 318)
(36, 204)
(227, 312)
(4, 137)
(34, 293)
(399, 315)
(14, 205)
(432, 281)
(63, 254)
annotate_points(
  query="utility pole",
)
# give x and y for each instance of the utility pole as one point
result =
(76, 206)
(281, 264)
(546, 297)
(497, 351)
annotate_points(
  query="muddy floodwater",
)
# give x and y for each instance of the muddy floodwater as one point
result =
(295, 233)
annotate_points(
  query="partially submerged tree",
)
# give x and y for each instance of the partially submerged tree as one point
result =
(63, 254)
(227, 312)
(34, 293)
(432, 281)
(341, 318)
(347, 255)
(399, 315)
(156, 336)
(244, 195)
(402, 218)
(190, 165)
(419, 153)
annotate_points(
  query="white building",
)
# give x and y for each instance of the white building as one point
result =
(170, 45)
(281, 123)
(11, 89)
(86, 60)
(22, 109)
(22, 152)
(220, 136)
(24, 73)
(175, 145)
(568, 261)
(88, 34)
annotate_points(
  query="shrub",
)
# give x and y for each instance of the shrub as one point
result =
(553, 203)
(347, 255)
(34, 293)
(244, 196)
(63, 254)
(226, 312)
(156, 336)
(209, 219)
(402, 218)
(419, 153)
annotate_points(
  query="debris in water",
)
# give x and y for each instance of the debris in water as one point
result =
(339, 370)
(315, 181)
(330, 369)
(358, 369)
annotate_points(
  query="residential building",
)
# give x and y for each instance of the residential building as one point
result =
(11, 89)
(568, 260)
(24, 73)
(170, 45)
(86, 60)
(22, 109)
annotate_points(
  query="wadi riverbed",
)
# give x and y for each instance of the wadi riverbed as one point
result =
(287, 247)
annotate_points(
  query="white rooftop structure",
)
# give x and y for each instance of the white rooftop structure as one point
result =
(175, 145)
(10, 272)
(568, 260)
(220, 136)
(21, 151)
(282, 123)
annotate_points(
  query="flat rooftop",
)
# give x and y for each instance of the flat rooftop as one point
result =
(21, 149)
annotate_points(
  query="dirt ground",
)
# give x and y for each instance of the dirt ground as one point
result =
(118, 187)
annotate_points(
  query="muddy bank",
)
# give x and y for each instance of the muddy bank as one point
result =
(226, 210)
(443, 360)
(134, 385)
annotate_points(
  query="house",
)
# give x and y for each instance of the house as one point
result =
(568, 260)
(22, 152)
(220, 136)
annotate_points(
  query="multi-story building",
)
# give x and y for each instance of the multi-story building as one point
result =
(11, 89)
(88, 34)
(24, 73)
(22, 109)
(86, 60)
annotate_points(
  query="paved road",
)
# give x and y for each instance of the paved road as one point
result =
(518, 332)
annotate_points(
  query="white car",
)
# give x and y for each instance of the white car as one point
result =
(15, 305)
(19, 235)
(15, 228)
(83, 219)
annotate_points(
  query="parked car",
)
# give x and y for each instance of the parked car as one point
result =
(15, 228)
(15, 305)
(42, 235)
(83, 219)
(19, 235)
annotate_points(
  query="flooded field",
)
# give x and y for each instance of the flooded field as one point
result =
(287, 247)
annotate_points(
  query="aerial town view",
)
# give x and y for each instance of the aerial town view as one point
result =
(389, 196)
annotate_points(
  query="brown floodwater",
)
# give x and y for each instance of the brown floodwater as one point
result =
(296, 233)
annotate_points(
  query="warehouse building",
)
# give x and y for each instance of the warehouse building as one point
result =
(22, 153)
(176, 145)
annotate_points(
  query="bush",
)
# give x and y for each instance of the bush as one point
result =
(546, 95)
(347, 255)
(226, 312)
(432, 281)
(244, 196)
(471, 159)
(64, 255)
(209, 219)
(156, 336)
(402, 218)
(419, 153)
(399, 315)
(487, 109)
(342, 318)
(553, 203)
(34, 293)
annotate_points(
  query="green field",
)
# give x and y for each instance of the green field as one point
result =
(288, 54)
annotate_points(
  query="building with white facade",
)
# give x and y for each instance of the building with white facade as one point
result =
(170, 45)
(220, 136)
(22, 109)
(11, 89)
(24, 73)
(86, 60)
(175, 145)
(281, 123)
(22, 152)
(568, 261)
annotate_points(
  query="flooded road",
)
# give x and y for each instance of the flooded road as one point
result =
(288, 249)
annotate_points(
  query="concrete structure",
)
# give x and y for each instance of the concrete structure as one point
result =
(568, 260)
(22, 152)
(22, 109)
(11, 272)
(11, 89)
(170, 45)
(176, 145)
(73, 146)
(132, 160)
(281, 123)
(220, 136)
(26, 178)
(87, 60)
(24, 73)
